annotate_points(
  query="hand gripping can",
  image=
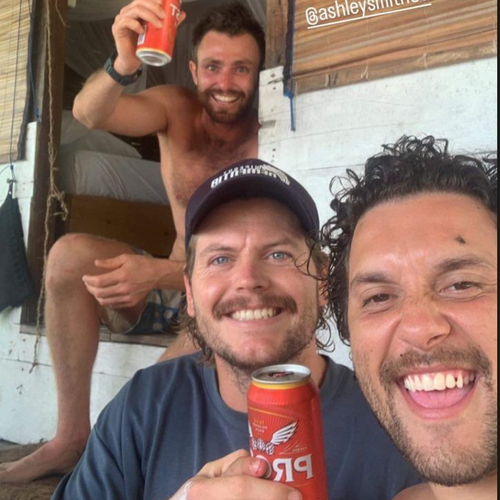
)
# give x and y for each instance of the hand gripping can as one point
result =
(286, 428)
(156, 45)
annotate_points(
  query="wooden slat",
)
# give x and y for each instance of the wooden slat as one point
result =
(443, 32)
(142, 225)
(14, 41)
(276, 33)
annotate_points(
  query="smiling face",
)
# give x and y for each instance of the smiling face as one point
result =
(423, 325)
(226, 74)
(253, 306)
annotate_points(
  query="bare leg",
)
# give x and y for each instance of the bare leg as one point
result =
(182, 346)
(72, 318)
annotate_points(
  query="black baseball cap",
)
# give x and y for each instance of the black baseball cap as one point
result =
(251, 179)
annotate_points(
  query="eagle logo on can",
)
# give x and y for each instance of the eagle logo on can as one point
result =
(280, 437)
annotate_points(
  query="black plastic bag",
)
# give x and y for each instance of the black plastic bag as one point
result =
(16, 283)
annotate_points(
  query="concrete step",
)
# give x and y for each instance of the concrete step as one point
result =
(158, 340)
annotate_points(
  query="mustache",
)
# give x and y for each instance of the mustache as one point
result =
(282, 302)
(232, 93)
(471, 358)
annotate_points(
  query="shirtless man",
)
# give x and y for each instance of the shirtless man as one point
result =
(414, 287)
(199, 134)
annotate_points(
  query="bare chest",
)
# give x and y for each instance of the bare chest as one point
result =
(185, 169)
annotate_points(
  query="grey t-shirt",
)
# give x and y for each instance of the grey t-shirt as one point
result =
(170, 420)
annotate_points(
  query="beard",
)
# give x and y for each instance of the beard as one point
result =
(297, 339)
(245, 103)
(441, 460)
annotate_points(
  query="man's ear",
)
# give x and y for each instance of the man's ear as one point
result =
(189, 297)
(193, 68)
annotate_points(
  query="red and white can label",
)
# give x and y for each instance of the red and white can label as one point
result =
(286, 429)
(155, 46)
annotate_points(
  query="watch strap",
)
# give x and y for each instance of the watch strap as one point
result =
(109, 67)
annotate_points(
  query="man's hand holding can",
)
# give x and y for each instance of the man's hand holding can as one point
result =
(235, 477)
(130, 25)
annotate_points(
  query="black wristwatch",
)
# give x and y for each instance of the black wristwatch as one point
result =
(109, 67)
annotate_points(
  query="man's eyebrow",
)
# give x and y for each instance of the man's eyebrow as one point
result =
(219, 62)
(458, 263)
(371, 279)
(285, 242)
(242, 61)
(446, 266)
(217, 248)
(210, 60)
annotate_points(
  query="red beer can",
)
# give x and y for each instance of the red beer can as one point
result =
(156, 45)
(286, 428)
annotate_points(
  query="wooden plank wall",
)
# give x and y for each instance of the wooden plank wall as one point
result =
(276, 36)
(144, 226)
(354, 49)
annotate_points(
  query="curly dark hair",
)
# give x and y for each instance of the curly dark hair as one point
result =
(408, 168)
(233, 19)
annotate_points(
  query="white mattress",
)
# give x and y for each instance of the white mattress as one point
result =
(110, 176)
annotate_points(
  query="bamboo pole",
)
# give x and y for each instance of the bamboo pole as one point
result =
(14, 45)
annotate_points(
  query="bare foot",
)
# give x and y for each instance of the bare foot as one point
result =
(55, 457)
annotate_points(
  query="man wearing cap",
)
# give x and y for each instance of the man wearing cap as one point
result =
(250, 303)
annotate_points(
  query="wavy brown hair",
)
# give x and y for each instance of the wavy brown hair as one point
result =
(408, 168)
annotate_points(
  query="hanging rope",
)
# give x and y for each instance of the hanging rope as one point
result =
(5, 169)
(54, 195)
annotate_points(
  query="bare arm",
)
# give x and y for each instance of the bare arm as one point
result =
(102, 105)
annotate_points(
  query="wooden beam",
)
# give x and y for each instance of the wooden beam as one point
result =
(276, 33)
(49, 85)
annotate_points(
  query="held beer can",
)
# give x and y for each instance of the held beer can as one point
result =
(156, 45)
(286, 428)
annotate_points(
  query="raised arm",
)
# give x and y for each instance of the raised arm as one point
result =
(103, 105)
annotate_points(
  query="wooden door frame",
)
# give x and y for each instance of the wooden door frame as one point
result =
(277, 32)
